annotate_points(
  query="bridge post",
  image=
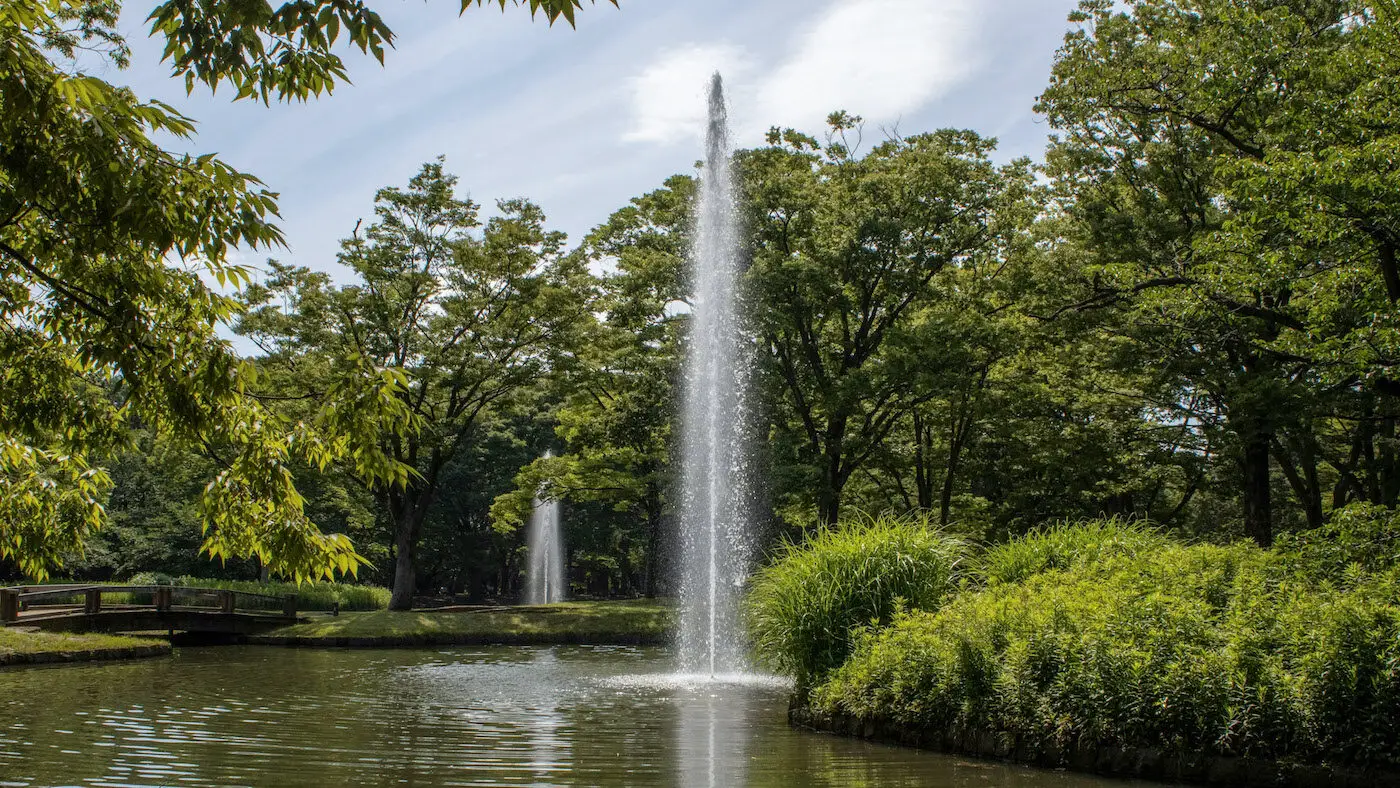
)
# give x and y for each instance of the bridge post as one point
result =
(92, 601)
(9, 604)
(289, 605)
(163, 598)
(226, 599)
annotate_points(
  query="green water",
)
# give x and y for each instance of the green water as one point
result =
(261, 716)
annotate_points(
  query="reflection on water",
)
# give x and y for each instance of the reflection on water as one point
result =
(549, 738)
(459, 717)
(712, 738)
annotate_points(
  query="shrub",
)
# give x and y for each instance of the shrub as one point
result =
(1202, 648)
(1362, 535)
(1065, 545)
(310, 596)
(802, 608)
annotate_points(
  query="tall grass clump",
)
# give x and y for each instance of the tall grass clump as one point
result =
(1065, 545)
(802, 609)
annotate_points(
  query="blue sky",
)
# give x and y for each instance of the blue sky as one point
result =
(582, 120)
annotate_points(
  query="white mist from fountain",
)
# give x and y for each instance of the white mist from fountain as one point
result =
(544, 550)
(716, 494)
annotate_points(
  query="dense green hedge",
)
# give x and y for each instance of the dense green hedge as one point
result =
(1131, 639)
(310, 596)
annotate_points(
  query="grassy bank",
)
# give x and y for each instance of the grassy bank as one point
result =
(598, 623)
(22, 647)
(1108, 636)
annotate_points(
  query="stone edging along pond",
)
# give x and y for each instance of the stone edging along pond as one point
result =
(1138, 762)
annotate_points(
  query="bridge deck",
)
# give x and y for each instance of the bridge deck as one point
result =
(51, 608)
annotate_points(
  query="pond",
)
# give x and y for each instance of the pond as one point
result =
(262, 716)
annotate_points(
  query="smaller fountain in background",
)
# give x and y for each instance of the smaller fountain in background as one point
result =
(544, 544)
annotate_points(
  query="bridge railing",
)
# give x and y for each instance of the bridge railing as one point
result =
(18, 599)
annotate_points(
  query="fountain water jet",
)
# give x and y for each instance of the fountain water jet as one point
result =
(544, 545)
(715, 494)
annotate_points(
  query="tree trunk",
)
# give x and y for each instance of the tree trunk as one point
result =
(945, 499)
(651, 567)
(1385, 257)
(408, 523)
(828, 503)
(1302, 478)
(833, 477)
(1389, 474)
(923, 473)
(957, 439)
(1258, 509)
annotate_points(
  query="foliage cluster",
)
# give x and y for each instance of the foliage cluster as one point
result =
(804, 608)
(1232, 650)
(1064, 545)
(310, 596)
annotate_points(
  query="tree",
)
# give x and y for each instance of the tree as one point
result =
(466, 322)
(845, 249)
(617, 406)
(1232, 165)
(105, 243)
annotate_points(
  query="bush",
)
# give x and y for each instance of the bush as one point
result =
(1065, 545)
(310, 596)
(1362, 535)
(1203, 648)
(801, 609)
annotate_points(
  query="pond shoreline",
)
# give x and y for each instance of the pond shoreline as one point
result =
(601, 623)
(593, 623)
(138, 649)
(460, 639)
(1127, 762)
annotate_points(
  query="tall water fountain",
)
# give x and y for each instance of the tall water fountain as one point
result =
(544, 544)
(715, 495)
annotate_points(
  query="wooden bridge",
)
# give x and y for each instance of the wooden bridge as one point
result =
(160, 608)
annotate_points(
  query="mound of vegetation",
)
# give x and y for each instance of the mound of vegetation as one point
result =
(1064, 545)
(1108, 634)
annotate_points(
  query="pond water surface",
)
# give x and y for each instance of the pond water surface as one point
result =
(262, 716)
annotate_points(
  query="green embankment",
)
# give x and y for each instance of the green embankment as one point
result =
(24, 647)
(597, 623)
(1110, 647)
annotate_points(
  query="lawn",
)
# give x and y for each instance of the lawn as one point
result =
(23, 646)
(600, 623)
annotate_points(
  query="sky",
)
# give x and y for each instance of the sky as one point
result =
(580, 121)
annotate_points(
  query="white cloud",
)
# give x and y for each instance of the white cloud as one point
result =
(668, 97)
(876, 58)
(879, 59)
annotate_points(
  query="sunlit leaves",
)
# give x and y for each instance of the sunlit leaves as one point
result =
(51, 501)
(107, 322)
(288, 51)
(553, 10)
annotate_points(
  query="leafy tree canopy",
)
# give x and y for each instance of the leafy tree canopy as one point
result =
(109, 245)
